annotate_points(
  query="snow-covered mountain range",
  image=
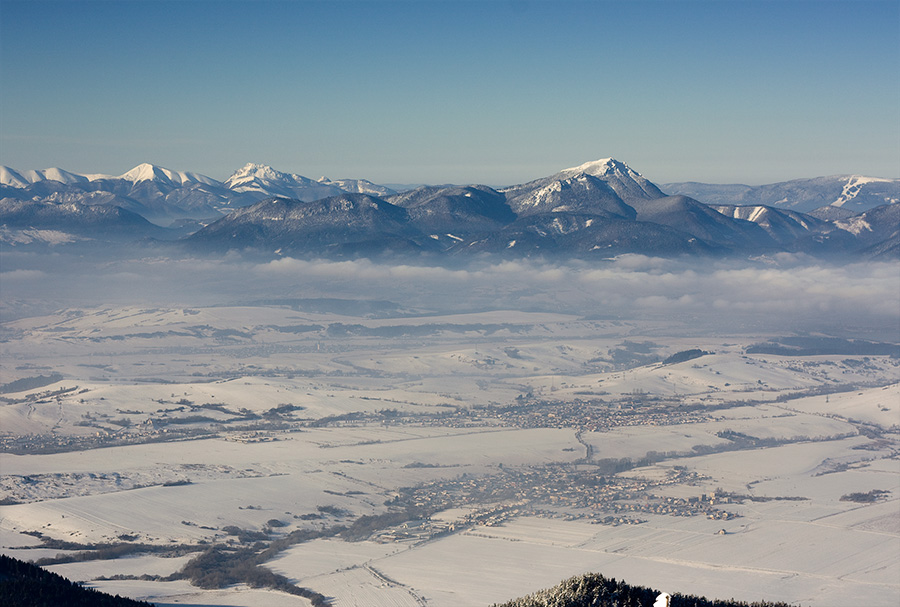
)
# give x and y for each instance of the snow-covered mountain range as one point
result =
(163, 196)
(852, 193)
(598, 209)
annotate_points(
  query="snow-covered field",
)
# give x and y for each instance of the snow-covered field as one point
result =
(175, 426)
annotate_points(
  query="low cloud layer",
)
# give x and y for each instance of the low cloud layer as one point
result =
(780, 292)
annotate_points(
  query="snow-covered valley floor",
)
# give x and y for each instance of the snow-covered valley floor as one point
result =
(512, 449)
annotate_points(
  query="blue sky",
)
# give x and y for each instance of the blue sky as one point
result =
(493, 92)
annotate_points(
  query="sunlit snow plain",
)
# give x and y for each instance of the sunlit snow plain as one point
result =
(185, 398)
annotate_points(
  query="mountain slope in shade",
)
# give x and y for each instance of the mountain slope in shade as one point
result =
(704, 222)
(358, 186)
(348, 224)
(853, 192)
(877, 231)
(573, 193)
(455, 210)
(601, 185)
(98, 222)
(563, 234)
(782, 226)
(831, 214)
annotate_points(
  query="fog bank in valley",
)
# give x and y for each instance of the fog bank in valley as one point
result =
(784, 292)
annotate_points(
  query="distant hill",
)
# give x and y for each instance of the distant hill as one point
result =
(340, 225)
(594, 590)
(111, 223)
(855, 193)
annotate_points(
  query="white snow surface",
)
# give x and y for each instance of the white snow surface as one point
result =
(12, 178)
(602, 168)
(142, 172)
(852, 188)
(150, 172)
(794, 539)
(252, 176)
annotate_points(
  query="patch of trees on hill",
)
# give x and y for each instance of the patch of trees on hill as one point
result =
(25, 585)
(594, 590)
(685, 355)
(30, 383)
(219, 567)
(865, 498)
(819, 346)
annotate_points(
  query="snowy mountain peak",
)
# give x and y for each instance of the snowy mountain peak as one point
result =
(12, 178)
(252, 170)
(148, 172)
(151, 172)
(261, 179)
(627, 183)
(602, 168)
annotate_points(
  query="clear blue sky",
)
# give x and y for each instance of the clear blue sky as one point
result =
(493, 92)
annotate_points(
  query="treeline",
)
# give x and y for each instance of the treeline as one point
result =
(595, 590)
(220, 566)
(355, 330)
(818, 346)
(363, 527)
(25, 585)
(684, 356)
(30, 383)
(103, 551)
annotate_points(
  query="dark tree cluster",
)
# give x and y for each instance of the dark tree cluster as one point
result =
(864, 498)
(25, 585)
(218, 567)
(595, 590)
(685, 355)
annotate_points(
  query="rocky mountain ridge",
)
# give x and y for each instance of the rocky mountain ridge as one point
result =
(599, 209)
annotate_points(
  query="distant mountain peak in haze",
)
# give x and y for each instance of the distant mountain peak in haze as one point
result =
(855, 193)
(624, 180)
(601, 168)
(142, 172)
(254, 170)
(152, 172)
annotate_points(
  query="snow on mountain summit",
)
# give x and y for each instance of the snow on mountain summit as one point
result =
(151, 172)
(253, 176)
(253, 171)
(12, 178)
(625, 181)
(601, 167)
(142, 172)
(263, 179)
